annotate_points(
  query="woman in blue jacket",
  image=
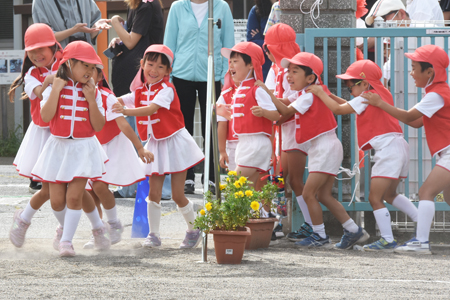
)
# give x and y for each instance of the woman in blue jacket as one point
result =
(186, 35)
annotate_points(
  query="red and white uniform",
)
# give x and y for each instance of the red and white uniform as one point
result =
(391, 150)
(38, 131)
(316, 124)
(124, 166)
(73, 150)
(173, 147)
(254, 148)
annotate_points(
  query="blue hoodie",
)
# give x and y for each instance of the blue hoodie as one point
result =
(189, 42)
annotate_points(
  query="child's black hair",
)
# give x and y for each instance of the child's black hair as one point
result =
(308, 71)
(153, 56)
(247, 59)
(266, 49)
(27, 64)
(63, 69)
(424, 65)
(103, 82)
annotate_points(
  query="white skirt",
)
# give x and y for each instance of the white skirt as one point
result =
(31, 147)
(288, 142)
(124, 166)
(174, 154)
(62, 160)
(254, 151)
(325, 154)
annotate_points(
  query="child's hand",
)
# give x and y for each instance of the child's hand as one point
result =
(372, 99)
(48, 80)
(262, 85)
(224, 110)
(223, 160)
(257, 111)
(315, 89)
(59, 84)
(145, 155)
(118, 108)
(89, 90)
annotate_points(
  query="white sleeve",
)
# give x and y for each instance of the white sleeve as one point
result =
(430, 104)
(30, 84)
(221, 100)
(357, 105)
(303, 103)
(264, 100)
(98, 99)
(46, 95)
(164, 98)
(271, 80)
(128, 99)
(110, 115)
(293, 96)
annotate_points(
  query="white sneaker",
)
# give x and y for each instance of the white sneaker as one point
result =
(115, 232)
(414, 246)
(101, 237)
(90, 244)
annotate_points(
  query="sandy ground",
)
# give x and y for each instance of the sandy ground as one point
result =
(129, 272)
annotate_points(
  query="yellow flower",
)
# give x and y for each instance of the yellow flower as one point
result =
(241, 194)
(208, 206)
(236, 195)
(202, 212)
(222, 186)
(248, 193)
(232, 173)
(254, 205)
(228, 179)
(237, 184)
(242, 180)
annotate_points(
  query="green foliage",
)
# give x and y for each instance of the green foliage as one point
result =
(11, 143)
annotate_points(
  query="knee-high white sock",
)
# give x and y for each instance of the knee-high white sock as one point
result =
(320, 230)
(383, 218)
(304, 208)
(28, 213)
(154, 216)
(94, 218)
(60, 216)
(424, 220)
(188, 214)
(351, 226)
(111, 214)
(70, 224)
(406, 206)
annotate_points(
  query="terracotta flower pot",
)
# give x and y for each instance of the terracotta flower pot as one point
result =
(229, 246)
(261, 233)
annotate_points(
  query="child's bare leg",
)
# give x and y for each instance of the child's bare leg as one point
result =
(400, 201)
(91, 211)
(36, 201)
(297, 162)
(260, 183)
(58, 201)
(284, 164)
(313, 184)
(251, 174)
(97, 203)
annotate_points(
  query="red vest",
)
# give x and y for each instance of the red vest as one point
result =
(35, 104)
(228, 97)
(164, 122)
(110, 130)
(317, 119)
(72, 114)
(366, 121)
(244, 122)
(437, 127)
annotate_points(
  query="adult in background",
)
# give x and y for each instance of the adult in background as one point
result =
(187, 36)
(70, 19)
(256, 23)
(144, 27)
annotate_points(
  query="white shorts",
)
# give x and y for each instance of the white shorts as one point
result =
(288, 142)
(444, 159)
(392, 161)
(325, 154)
(254, 151)
(231, 152)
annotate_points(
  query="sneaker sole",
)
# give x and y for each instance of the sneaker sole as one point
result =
(378, 250)
(428, 252)
(150, 247)
(66, 254)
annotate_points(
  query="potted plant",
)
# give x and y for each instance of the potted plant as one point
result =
(226, 218)
(261, 223)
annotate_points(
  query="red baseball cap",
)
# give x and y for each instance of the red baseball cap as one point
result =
(434, 55)
(305, 59)
(82, 51)
(158, 48)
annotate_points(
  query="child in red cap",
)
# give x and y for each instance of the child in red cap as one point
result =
(391, 150)
(73, 107)
(316, 125)
(280, 43)
(123, 168)
(156, 106)
(429, 65)
(42, 56)
(252, 110)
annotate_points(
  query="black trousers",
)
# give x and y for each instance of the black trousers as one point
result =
(187, 92)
